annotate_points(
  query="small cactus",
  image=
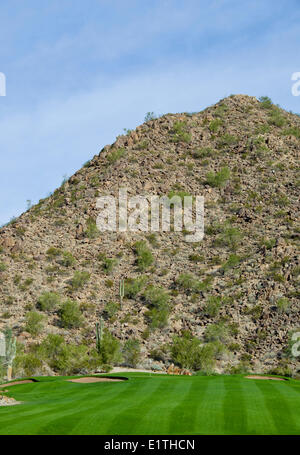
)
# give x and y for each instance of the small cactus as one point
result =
(9, 350)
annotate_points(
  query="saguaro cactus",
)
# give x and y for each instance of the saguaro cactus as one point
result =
(121, 291)
(99, 334)
(9, 350)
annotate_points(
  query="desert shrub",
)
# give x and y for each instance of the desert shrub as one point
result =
(217, 332)
(204, 152)
(255, 311)
(67, 259)
(48, 301)
(218, 179)
(66, 358)
(157, 300)
(2, 267)
(180, 133)
(283, 305)
(213, 305)
(149, 116)
(92, 231)
(144, 255)
(268, 243)
(231, 262)
(108, 264)
(243, 367)
(53, 252)
(157, 317)
(131, 353)
(115, 155)
(110, 352)
(79, 279)
(34, 322)
(190, 283)
(110, 309)
(133, 286)
(70, 314)
(215, 125)
(187, 352)
(266, 102)
(276, 118)
(292, 131)
(227, 140)
(27, 364)
(187, 282)
(230, 237)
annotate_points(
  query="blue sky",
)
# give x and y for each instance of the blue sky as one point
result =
(79, 72)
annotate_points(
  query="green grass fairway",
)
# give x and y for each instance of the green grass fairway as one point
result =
(154, 405)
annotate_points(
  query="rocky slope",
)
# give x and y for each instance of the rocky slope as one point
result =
(242, 155)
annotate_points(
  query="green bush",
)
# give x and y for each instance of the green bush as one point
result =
(131, 353)
(283, 305)
(70, 315)
(187, 352)
(157, 300)
(115, 155)
(27, 364)
(2, 267)
(111, 308)
(92, 231)
(67, 259)
(217, 332)
(230, 237)
(133, 286)
(66, 359)
(204, 152)
(213, 305)
(108, 264)
(190, 283)
(144, 255)
(180, 133)
(218, 179)
(227, 140)
(215, 125)
(53, 252)
(266, 102)
(48, 301)
(110, 353)
(79, 280)
(34, 323)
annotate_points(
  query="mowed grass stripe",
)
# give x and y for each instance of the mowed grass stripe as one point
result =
(63, 401)
(258, 416)
(210, 418)
(155, 405)
(184, 418)
(128, 411)
(235, 418)
(282, 406)
(97, 413)
(158, 418)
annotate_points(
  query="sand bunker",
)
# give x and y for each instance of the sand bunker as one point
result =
(8, 384)
(265, 377)
(91, 380)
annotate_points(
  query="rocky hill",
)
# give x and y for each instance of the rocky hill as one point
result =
(239, 285)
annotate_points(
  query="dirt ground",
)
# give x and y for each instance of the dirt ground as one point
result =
(90, 380)
(27, 381)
